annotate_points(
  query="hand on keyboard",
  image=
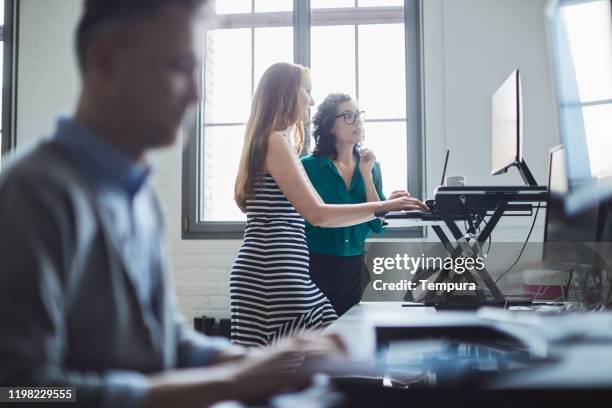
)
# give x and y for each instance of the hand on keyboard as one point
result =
(404, 203)
(398, 194)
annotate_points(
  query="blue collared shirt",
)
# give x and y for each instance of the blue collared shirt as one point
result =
(118, 181)
(48, 346)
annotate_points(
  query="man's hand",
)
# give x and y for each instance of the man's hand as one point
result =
(258, 375)
(231, 353)
(279, 368)
(314, 344)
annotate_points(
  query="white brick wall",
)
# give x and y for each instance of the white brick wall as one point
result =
(201, 268)
(48, 84)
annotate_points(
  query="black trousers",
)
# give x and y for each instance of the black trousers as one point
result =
(339, 278)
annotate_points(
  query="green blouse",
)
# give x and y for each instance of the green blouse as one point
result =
(346, 241)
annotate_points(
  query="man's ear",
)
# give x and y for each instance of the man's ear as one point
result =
(101, 59)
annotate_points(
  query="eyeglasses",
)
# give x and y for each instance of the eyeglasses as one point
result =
(350, 117)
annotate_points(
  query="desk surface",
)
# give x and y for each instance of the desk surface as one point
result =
(581, 344)
(357, 326)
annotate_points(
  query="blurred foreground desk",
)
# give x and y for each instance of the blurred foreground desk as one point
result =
(494, 357)
(357, 326)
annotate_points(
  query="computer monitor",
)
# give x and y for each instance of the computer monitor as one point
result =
(507, 129)
(558, 226)
(575, 243)
(580, 42)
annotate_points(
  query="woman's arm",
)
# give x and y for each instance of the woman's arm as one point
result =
(287, 171)
(366, 166)
(371, 193)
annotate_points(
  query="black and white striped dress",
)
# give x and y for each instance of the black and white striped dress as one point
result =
(271, 292)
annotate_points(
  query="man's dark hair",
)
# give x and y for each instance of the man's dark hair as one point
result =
(97, 13)
(323, 121)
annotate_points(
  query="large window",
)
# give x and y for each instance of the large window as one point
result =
(589, 41)
(1, 78)
(368, 49)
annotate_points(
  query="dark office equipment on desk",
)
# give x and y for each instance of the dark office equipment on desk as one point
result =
(574, 244)
(497, 352)
(560, 226)
(506, 152)
(508, 358)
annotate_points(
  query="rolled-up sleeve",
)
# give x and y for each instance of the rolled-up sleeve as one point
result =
(196, 349)
(125, 389)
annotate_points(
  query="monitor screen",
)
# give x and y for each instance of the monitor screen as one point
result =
(506, 125)
(574, 243)
(560, 227)
(566, 236)
(581, 43)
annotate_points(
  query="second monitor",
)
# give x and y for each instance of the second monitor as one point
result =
(507, 129)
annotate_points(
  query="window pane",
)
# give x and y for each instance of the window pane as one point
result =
(331, 3)
(273, 5)
(233, 6)
(388, 142)
(1, 85)
(382, 80)
(380, 3)
(228, 76)
(1, 80)
(222, 147)
(265, 55)
(598, 129)
(332, 57)
(590, 40)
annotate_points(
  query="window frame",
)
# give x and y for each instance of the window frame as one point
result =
(302, 19)
(8, 35)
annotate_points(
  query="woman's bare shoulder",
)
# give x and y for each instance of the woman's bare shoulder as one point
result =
(279, 149)
(278, 137)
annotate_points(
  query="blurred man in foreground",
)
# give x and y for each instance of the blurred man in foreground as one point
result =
(85, 296)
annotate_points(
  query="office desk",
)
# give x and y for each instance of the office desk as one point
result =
(357, 326)
(579, 348)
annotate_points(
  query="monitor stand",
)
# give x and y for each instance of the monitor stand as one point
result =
(526, 174)
(487, 293)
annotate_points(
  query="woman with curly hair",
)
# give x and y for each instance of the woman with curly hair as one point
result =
(342, 173)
